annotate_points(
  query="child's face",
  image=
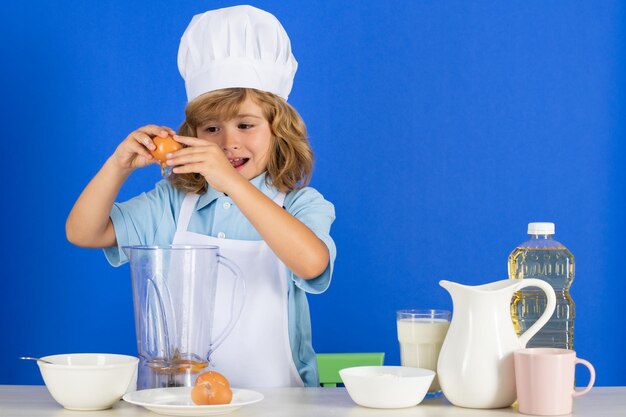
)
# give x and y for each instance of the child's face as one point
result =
(245, 139)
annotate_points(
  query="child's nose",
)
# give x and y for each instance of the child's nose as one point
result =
(231, 140)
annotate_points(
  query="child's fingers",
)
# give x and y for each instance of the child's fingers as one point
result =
(188, 168)
(189, 141)
(144, 139)
(139, 149)
(203, 152)
(169, 130)
(184, 158)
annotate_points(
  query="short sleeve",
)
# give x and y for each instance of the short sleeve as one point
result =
(137, 221)
(318, 214)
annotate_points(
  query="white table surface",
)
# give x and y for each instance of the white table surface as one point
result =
(35, 401)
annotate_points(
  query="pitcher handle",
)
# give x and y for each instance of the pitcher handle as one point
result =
(234, 316)
(543, 319)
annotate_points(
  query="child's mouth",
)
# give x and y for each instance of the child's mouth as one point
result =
(237, 163)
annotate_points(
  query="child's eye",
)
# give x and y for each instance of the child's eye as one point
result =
(245, 126)
(212, 129)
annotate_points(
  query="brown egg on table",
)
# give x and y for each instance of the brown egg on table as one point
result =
(201, 395)
(211, 388)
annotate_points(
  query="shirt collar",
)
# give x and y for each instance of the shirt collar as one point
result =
(259, 182)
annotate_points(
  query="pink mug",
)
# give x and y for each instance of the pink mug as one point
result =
(545, 380)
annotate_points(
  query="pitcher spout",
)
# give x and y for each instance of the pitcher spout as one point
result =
(451, 287)
(454, 290)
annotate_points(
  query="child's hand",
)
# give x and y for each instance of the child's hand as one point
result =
(205, 158)
(134, 151)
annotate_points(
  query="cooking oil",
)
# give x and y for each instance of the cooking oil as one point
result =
(544, 258)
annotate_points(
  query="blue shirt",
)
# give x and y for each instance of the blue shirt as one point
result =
(150, 219)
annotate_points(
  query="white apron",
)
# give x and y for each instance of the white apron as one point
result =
(257, 352)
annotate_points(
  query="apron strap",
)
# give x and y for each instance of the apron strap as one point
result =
(280, 199)
(186, 210)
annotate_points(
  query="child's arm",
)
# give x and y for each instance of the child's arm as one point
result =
(88, 224)
(290, 239)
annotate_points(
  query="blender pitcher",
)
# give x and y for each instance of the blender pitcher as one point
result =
(174, 290)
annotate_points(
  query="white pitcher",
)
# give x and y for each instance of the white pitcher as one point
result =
(475, 366)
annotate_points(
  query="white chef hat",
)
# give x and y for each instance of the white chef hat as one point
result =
(239, 46)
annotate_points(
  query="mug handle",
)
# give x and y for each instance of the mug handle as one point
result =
(238, 275)
(592, 377)
(543, 319)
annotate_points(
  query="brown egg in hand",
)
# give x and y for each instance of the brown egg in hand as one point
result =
(164, 145)
(211, 388)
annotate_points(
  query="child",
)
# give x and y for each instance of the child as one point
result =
(239, 183)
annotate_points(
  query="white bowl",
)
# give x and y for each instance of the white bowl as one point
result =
(387, 386)
(89, 381)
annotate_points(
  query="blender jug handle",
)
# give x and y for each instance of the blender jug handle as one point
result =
(234, 315)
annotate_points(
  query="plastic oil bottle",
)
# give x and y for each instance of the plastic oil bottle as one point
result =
(544, 258)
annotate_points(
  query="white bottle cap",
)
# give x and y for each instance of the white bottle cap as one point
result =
(540, 228)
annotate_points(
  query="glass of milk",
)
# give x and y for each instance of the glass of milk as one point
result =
(421, 334)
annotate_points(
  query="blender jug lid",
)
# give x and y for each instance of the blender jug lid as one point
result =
(155, 248)
(168, 247)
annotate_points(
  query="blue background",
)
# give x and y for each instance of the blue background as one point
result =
(440, 129)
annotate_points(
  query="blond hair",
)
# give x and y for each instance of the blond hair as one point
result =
(290, 162)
